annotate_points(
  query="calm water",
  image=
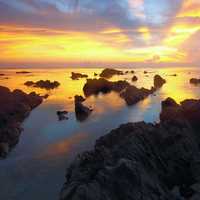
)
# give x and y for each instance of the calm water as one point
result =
(35, 169)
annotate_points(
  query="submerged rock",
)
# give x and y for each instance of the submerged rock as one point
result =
(195, 81)
(139, 161)
(82, 112)
(62, 115)
(135, 78)
(158, 81)
(15, 107)
(76, 76)
(108, 73)
(43, 84)
(95, 86)
(133, 95)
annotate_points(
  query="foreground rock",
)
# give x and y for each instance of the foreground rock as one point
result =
(158, 81)
(82, 112)
(133, 95)
(43, 84)
(14, 108)
(108, 73)
(95, 86)
(76, 76)
(195, 81)
(140, 161)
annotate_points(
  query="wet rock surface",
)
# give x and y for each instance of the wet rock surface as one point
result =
(108, 73)
(47, 84)
(15, 107)
(76, 76)
(195, 81)
(158, 81)
(141, 161)
(82, 112)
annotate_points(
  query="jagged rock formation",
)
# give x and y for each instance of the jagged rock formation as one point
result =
(158, 81)
(76, 76)
(140, 161)
(108, 73)
(82, 112)
(15, 107)
(43, 84)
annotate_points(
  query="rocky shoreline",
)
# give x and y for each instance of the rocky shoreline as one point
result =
(142, 160)
(15, 107)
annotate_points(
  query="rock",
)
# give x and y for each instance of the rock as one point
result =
(76, 76)
(145, 72)
(137, 161)
(158, 81)
(135, 78)
(95, 74)
(15, 107)
(132, 71)
(23, 72)
(43, 84)
(108, 73)
(62, 115)
(82, 112)
(95, 86)
(133, 95)
(188, 110)
(195, 81)
(173, 75)
(2, 74)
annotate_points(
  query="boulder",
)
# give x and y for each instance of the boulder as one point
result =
(134, 78)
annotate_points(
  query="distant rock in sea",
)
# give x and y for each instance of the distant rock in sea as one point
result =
(134, 78)
(158, 81)
(142, 160)
(108, 73)
(43, 84)
(2, 74)
(82, 112)
(23, 72)
(195, 81)
(76, 76)
(15, 107)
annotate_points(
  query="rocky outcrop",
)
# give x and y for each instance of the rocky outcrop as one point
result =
(134, 78)
(48, 85)
(15, 107)
(82, 112)
(139, 161)
(95, 86)
(195, 81)
(108, 73)
(76, 76)
(158, 81)
(133, 95)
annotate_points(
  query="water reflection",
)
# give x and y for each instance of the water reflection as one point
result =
(35, 168)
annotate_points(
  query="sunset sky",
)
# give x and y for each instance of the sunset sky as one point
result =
(99, 31)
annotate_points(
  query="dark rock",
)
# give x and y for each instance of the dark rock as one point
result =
(173, 75)
(137, 161)
(2, 74)
(132, 71)
(145, 72)
(62, 115)
(95, 74)
(195, 81)
(15, 107)
(133, 95)
(23, 72)
(108, 73)
(158, 81)
(82, 112)
(43, 84)
(76, 76)
(135, 78)
(95, 86)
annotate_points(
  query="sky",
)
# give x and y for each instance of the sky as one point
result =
(57, 32)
